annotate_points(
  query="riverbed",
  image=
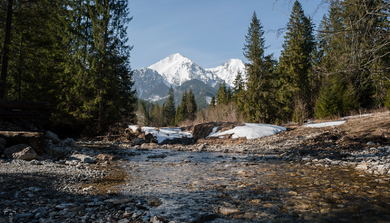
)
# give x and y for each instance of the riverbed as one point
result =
(224, 187)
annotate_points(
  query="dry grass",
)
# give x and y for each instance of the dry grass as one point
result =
(219, 113)
(360, 111)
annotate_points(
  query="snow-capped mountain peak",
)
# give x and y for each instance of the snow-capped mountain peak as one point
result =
(177, 69)
(229, 70)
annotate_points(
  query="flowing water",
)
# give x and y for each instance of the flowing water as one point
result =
(220, 187)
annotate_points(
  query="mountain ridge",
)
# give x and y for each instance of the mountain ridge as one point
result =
(176, 69)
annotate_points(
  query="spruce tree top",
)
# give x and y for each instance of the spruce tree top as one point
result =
(254, 41)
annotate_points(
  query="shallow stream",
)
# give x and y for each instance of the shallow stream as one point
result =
(220, 187)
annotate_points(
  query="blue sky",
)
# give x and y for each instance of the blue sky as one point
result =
(209, 32)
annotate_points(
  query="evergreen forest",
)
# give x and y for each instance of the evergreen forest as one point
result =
(75, 54)
(71, 53)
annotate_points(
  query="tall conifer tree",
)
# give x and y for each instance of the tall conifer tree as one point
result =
(258, 97)
(295, 64)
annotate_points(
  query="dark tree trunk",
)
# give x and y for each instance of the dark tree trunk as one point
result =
(7, 42)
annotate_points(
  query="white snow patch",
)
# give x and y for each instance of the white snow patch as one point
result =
(324, 124)
(162, 134)
(250, 131)
(133, 127)
(155, 98)
(208, 99)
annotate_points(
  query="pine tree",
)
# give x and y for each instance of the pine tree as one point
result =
(157, 119)
(191, 105)
(238, 84)
(212, 102)
(188, 107)
(169, 109)
(222, 94)
(109, 60)
(238, 91)
(260, 87)
(336, 97)
(181, 113)
(178, 115)
(296, 62)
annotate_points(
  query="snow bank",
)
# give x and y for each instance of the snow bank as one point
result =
(163, 133)
(324, 124)
(250, 131)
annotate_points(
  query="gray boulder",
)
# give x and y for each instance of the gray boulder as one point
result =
(68, 142)
(21, 151)
(56, 151)
(52, 136)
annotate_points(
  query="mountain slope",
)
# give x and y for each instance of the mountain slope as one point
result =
(145, 79)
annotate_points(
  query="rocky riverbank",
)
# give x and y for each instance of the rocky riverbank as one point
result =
(300, 175)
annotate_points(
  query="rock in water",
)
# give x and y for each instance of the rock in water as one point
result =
(227, 211)
(362, 166)
(158, 219)
(153, 201)
(105, 157)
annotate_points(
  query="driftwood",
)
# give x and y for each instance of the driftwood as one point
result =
(24, 109)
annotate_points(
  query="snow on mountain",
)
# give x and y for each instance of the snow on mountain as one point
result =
(146, 78)
(228, 71)
(208, 100)
(153, 83)
(177, 69)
